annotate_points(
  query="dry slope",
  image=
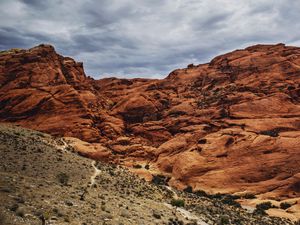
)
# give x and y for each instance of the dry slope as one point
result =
(42, 181)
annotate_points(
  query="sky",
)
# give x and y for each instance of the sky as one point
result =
(146, 38)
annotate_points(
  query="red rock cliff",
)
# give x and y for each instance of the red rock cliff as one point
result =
(229, 125)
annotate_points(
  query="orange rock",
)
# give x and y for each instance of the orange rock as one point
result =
(231, 125)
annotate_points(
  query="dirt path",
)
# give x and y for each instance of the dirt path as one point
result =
(175, 196)
(183, 211)
(187, 214)
(95, 174)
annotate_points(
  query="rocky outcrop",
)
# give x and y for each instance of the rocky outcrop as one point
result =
(231, 125)
(45, 91)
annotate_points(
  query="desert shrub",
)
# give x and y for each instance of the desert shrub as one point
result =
(201, 193)
(230, 200)
(285, 205)
(160, 179)
(43, 215)
(20, 212)
(191, 66)
(226, 199)
(188, 189)
(63, 178)
(260, 211)
(3, 219)
(249, 196)
(224, 113)
(147, 167)
(137, 166)
(237, 221)
(216, 196)
(262, 207)
(202, 141)
(177, 202)
(67, 219)
(223, 220)
(229, 141)
(14, 207)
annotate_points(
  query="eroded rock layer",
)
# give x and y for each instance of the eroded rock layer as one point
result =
(231, 125)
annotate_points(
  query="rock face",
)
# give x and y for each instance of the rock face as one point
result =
(231, 125)
(45, 91)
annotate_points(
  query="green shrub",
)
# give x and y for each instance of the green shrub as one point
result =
(177, 202)
(63, 178)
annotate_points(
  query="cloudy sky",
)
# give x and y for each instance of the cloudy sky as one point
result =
(146, 38)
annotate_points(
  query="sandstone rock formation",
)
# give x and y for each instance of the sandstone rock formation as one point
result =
(231, 125)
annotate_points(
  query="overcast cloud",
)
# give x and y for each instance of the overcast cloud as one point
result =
(146, 38)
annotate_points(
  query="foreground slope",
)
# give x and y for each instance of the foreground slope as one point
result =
(44, 182)
(231, 125)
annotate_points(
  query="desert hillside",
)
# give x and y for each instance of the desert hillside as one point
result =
(44, 181)
(230, 126)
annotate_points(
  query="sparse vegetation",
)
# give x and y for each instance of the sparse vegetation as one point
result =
(262, 207)
(188, 189)
(116, 195)
(191, 66)
(230, 200)
(14, 207)
(177, 202)
(285, 205)
(137, 166)
(147, 167)
(201, 193)
(3, 219)
(160, 179)
(224, 220)
(63, 178)
(20, 212)
(249, 196)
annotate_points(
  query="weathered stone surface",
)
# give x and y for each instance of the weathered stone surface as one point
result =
(230, 125)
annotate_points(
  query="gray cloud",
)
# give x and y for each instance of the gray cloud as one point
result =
(148, 38)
